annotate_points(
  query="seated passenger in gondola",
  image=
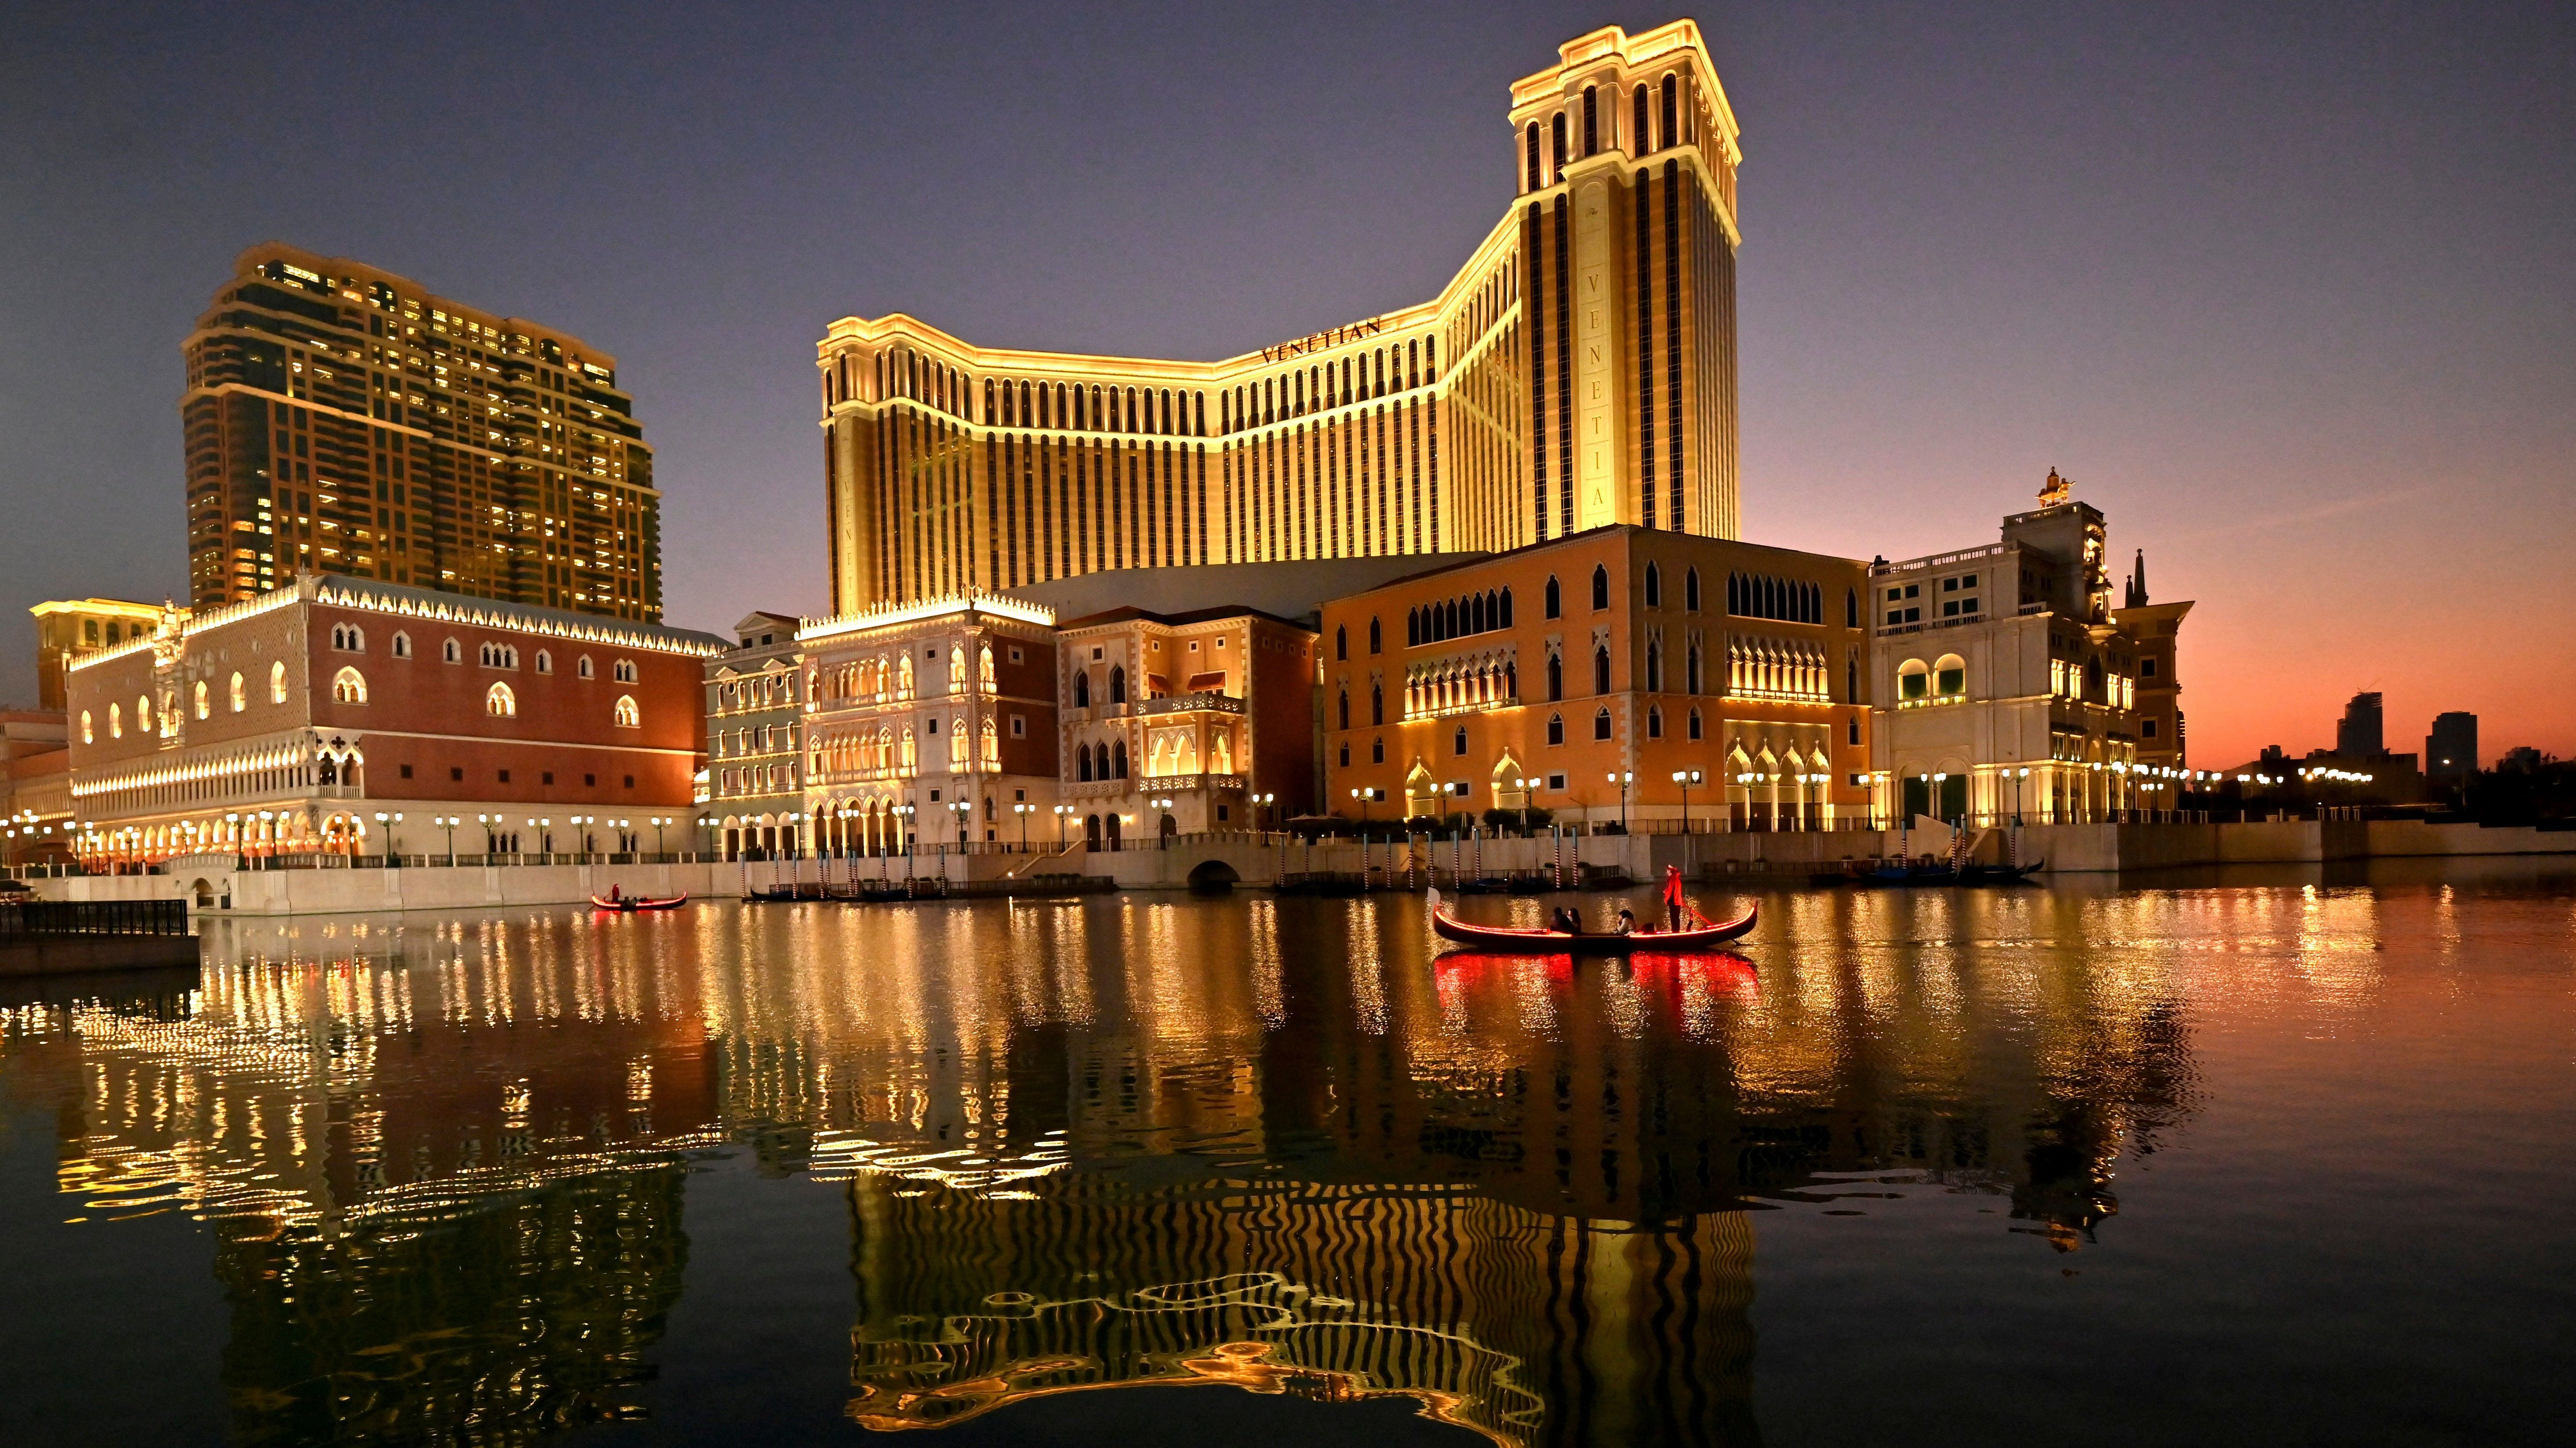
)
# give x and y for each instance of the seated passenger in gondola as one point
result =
(1627, 922)
(1566, 920)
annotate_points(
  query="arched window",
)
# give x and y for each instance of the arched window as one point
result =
(1458, 741)
(347, 639)
(1601, 724)
(89, 735)
(451, 651)
(1913, 680)
(239, 700)
(1556, 147)
(1600, 586)
(1082, 765)
(1118, 692)
(992, 754)
(1694, 724)
(1556, 729)
(623, 671)
(500, 703)
(1851, 608)
(348, 687)
(1591, 120)
(984, 669)
(545, 662)
(1851, 678)
(1672, 131)
(1412, 628)
(1950, 675)
(1654, 667)
(1341, 642)
(1555, 677)
(1691, 683)
(1506, 621)
(402, 645)
(1601, 670)
(1118, 757)
(204, 706)
(1082, 689)
(1654, 721)
(1637, 143)
(1377, 704)
(1529, 148)
(1690, 580)
(115, 721)
(1375, 638)
(277, 682)
(1654, 586)
(1555, 599)
(581, 667)
(627, 715)
(1345, 697)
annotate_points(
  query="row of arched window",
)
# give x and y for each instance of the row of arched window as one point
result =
(1115, 694)
(348, 638)
(1788, 600)
(1457, 618)
(1355, 377)
(1596, 115)
(1100, 761)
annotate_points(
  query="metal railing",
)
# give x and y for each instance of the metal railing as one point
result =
(94, 917)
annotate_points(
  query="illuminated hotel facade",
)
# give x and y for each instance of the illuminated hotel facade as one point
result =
(1578, 371)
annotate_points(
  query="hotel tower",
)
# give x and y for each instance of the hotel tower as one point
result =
(1578, 371)
(340, 419)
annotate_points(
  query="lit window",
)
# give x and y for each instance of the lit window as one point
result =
(277, 682)
(500, 703)
(628, 716)
(348, 687)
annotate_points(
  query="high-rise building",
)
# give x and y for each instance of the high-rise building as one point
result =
(1578, 371)
(342, 420)
(2358, 734)
(2451, 750)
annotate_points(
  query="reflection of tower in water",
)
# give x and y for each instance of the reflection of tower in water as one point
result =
(1527, 1328)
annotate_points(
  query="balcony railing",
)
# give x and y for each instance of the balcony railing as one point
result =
(1207, 700)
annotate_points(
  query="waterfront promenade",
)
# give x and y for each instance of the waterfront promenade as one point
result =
(227, 884)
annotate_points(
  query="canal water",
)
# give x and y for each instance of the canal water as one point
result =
(2268, 1157)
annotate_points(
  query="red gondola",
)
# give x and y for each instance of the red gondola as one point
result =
(628, 904)
(1528, 941)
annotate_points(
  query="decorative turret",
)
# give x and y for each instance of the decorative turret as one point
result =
(2137, 594)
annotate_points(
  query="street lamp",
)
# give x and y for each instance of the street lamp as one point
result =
(961, 807)
(1686, 778)
(1261, 801)
(1063, 812)
(1024, 811)
(657, 822)
(1623, 778)
(1523, 786)
(1362, 796)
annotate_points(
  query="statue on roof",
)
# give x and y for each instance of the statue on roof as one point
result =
(2056, 490)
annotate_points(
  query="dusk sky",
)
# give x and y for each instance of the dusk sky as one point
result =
(2289, 292)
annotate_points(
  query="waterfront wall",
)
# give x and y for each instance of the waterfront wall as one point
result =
(214, 884)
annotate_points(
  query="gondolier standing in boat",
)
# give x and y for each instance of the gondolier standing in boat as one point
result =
(1673, 906)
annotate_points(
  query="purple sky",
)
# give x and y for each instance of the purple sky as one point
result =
(2286, 290)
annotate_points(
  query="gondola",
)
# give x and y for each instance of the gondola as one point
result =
(1999, 874)
(629, 904)
(1525, 941)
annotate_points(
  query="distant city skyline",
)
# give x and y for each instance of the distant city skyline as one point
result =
(2279, 291)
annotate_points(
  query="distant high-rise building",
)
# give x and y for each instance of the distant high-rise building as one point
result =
(2359, 733)
(342, 420)
(2451, 750)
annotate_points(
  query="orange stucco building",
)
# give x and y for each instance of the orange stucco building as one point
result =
(1581, 675)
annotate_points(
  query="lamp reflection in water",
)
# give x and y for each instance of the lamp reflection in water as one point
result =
(1083, 1143)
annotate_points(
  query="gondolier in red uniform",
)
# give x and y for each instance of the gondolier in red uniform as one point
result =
(1673, 906)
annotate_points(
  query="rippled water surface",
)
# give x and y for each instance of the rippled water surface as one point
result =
(2272, 1158)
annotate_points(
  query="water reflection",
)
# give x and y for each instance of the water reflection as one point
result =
(1106, 1142)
